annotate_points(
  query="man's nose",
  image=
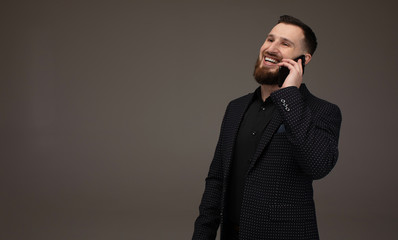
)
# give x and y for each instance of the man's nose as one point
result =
(272, 48)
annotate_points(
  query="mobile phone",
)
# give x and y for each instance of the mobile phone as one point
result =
(284, 71)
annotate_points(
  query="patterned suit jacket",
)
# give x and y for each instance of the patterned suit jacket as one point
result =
(298, 146)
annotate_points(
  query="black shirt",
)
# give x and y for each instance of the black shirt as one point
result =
(256, 118)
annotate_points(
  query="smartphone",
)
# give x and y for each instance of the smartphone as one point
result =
(284, 71)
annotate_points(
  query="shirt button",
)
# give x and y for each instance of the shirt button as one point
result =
(263, 108)
(254, 133)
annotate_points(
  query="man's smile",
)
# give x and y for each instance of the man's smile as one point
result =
(270, 61)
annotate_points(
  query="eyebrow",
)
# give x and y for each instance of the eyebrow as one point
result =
(284, 39)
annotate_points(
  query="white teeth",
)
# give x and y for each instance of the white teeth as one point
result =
(270, 60)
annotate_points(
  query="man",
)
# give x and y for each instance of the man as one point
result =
(273, 143)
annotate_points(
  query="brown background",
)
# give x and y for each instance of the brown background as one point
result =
(110, 112)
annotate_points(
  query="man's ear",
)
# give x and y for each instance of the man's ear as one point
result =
(307, 58)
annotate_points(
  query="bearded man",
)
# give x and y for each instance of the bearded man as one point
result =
(273, 143)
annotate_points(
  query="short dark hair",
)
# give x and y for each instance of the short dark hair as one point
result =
(309, 36)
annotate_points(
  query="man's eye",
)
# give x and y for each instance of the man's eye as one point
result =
(269, 40)
(285, 44)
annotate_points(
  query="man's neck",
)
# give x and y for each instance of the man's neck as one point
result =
(266, 90)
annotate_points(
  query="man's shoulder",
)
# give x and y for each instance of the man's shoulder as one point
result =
(319, 100)
(243, 98)
(318, 103)
(242, 101)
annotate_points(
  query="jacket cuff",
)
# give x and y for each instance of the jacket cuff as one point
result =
(288, 100)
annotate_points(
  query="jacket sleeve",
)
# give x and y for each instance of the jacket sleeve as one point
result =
(208, 221)
(312, 127)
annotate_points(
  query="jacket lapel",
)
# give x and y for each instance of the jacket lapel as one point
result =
(269, 131)
(271, 128)
(237, 110)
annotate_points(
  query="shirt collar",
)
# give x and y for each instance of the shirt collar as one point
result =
(257, 97)
(257, 93)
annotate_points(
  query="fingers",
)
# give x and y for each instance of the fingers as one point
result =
(295, 77)
(292, 65)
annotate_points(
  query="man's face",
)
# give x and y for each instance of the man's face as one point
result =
(284, 41)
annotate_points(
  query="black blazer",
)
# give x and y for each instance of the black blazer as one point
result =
(298, 146)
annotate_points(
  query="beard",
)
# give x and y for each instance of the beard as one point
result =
(265, 76)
